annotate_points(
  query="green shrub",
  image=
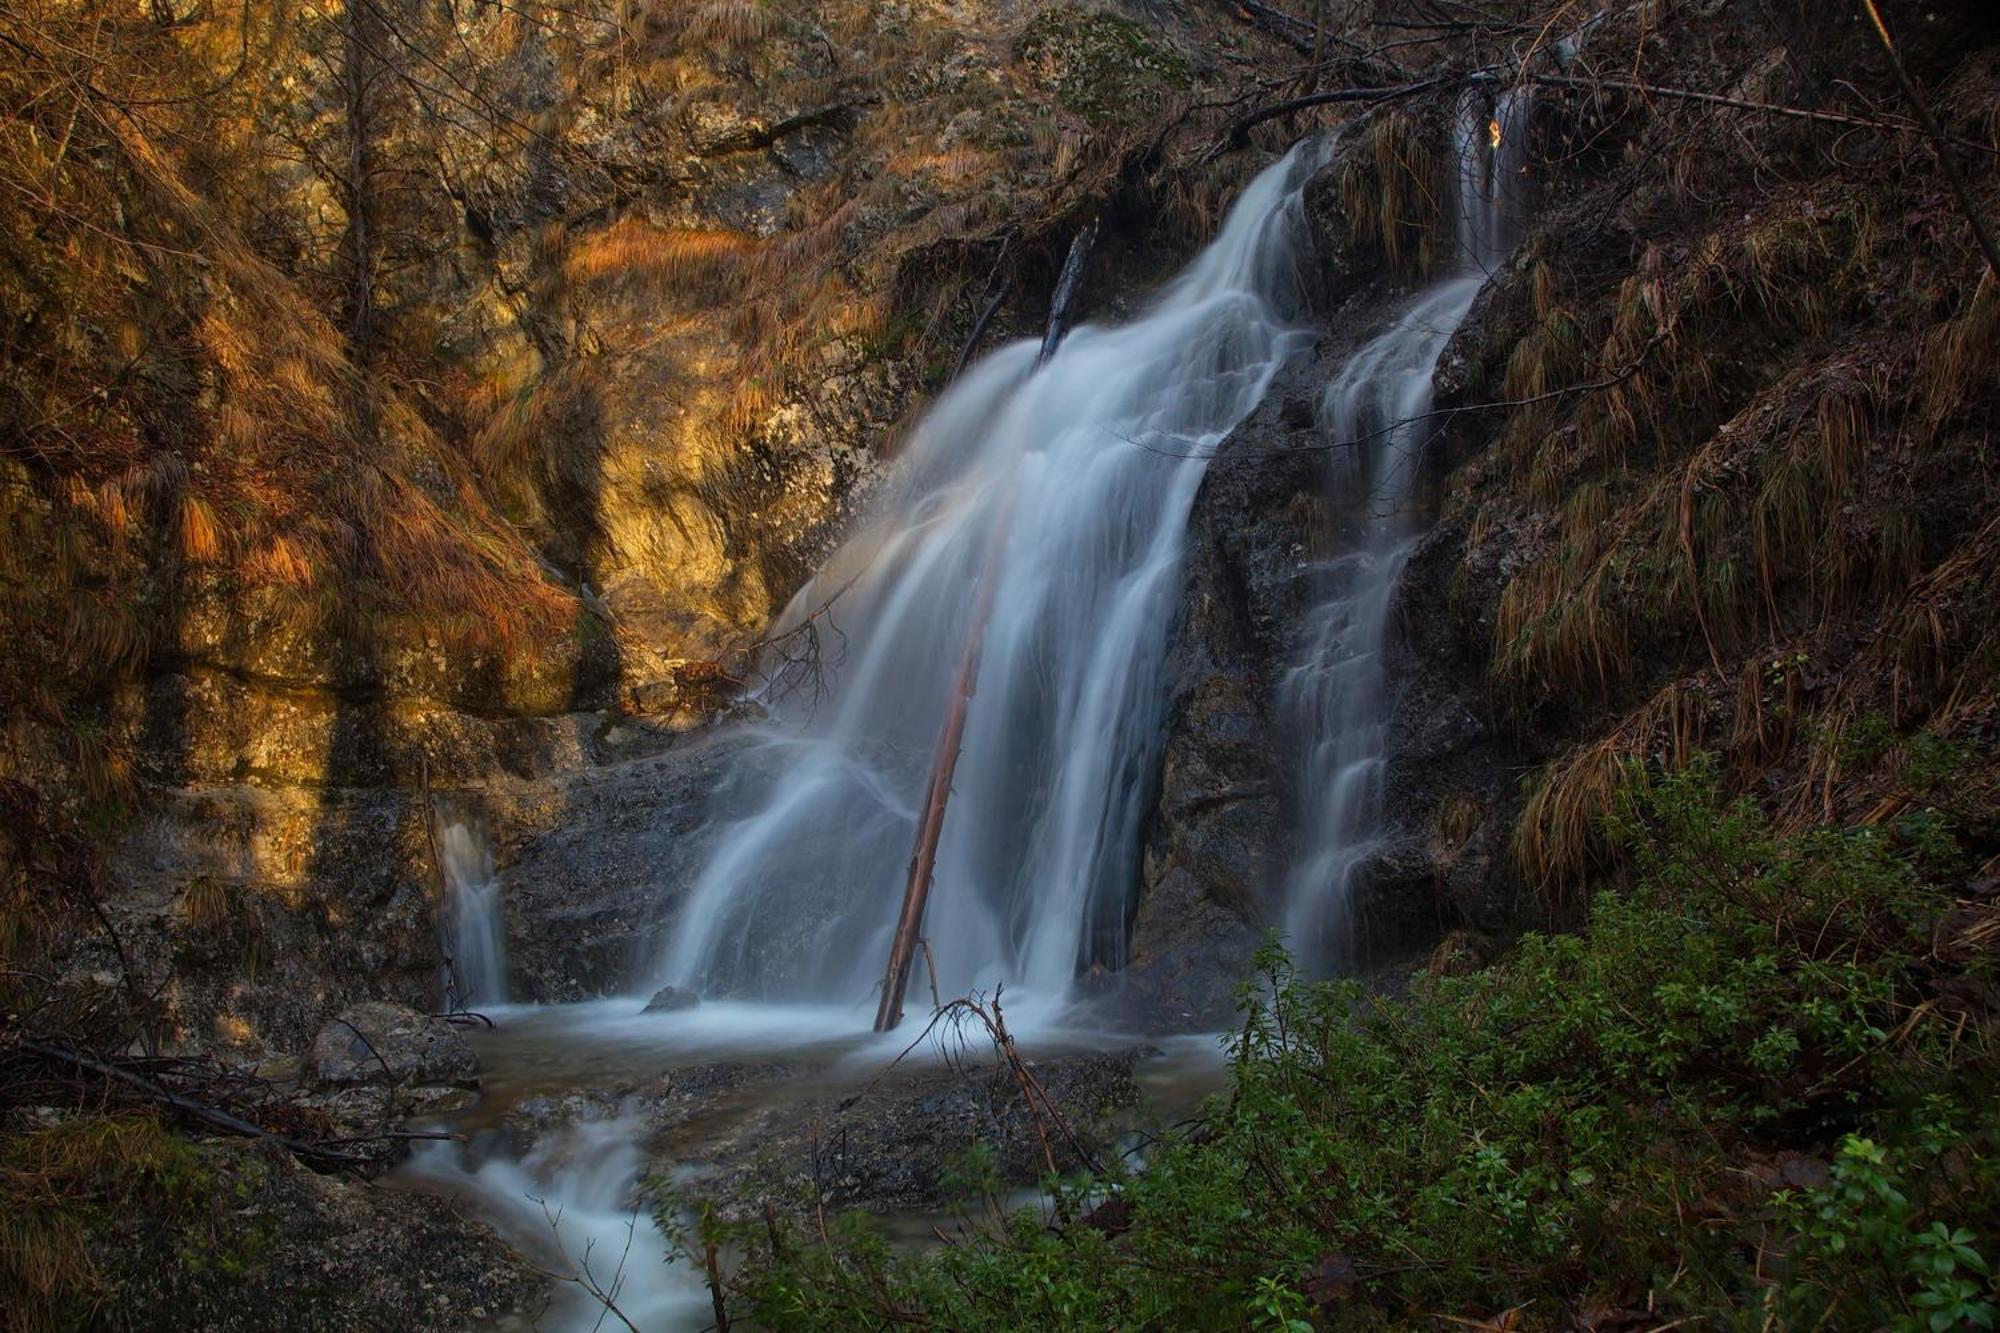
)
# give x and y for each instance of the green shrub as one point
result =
(1614, 1119)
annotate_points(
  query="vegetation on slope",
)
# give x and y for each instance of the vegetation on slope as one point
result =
(1755, 1087)
(1756, 1091)
(1745, 499)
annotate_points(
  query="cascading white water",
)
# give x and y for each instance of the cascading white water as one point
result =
(478, 949)
(1335, 696)
(576, 1197)
(1041, 839)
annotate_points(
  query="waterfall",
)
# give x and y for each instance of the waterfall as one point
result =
(478, 949)
(1335, 696)
(1098, 454)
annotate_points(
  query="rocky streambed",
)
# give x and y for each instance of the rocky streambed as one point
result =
(521, 1168)
(594, 1119)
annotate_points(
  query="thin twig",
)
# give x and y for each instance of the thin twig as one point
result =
(1238, 133)
(930, 965)
(1738, 103)
(211, 1116)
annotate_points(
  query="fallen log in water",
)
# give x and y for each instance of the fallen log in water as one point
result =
(944, 762)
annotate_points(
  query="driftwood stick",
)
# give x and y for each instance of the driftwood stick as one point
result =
(1062, 306)
(201, 1112)
(979, 328)
(1273, 22)
(998, 284)
(930, 822)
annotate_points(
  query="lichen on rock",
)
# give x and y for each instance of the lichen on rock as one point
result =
(1098, 64)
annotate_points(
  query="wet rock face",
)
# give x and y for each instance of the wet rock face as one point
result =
(1447, 776)
(1217, 836)
(671, 999)
(379, 1042)
(593, 869)
(257, 913)
(1222, 828)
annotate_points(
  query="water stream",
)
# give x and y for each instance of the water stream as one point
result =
(1374, 414)
(786, 928)
(476, 974)
(1039, 851)
(1097, 455)
(571, 1203)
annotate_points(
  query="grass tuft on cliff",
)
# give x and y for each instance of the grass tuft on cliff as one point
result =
(66, 1186)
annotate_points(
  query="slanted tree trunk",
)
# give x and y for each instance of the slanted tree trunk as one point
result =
(944, 762)
(1940, 142)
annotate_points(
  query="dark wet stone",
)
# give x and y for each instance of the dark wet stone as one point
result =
(671, 999)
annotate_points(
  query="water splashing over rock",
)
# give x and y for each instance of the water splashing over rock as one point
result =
(472, 895)
(1099, 452)
(1335, 697)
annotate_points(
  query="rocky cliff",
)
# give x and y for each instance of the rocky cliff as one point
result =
(1702, 475)
(427, 420)
(455, 397)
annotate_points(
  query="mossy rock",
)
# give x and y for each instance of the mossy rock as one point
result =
(115, 1223)
(1100, 66)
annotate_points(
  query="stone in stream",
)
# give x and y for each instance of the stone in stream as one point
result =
(671, 999)
(378, 1042)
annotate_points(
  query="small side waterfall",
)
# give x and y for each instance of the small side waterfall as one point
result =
(1099, 453)
(478, 948)
(1375, 411)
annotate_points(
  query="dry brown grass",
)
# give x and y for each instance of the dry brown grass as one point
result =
(205, 901)
(1560, 843)
(282, 561)
(200, 534)
(1393, 194)
(633, 250)
(1961, 364)
(731, 24)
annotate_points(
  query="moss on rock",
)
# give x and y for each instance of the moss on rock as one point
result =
(1097, 65)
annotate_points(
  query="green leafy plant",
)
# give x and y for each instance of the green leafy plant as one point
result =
(1589, 1121)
